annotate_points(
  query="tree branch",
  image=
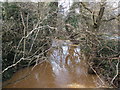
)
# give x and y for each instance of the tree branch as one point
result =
(85, 7)
(111, 18)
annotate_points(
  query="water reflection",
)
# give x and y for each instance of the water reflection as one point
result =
(65, 69)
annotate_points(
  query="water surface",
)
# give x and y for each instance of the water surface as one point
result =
(64, 69)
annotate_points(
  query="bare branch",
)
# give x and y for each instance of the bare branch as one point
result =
(117, 71)
(115, 17)
(85, 7)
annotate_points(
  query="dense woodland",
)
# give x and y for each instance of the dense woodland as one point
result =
(29, 28)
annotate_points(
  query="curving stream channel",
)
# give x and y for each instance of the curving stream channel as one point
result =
(64, 69)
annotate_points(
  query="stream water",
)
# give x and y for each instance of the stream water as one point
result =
(64, 69)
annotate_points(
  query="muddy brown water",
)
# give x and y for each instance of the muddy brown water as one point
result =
(64, 69)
